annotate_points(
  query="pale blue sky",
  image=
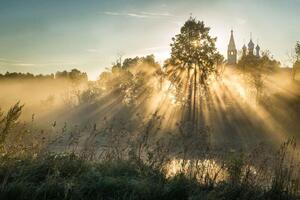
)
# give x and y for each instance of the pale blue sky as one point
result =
(43, 36)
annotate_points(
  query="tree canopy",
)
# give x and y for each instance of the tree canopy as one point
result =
(74, 75)
(264, 64)
(130, 78)
(194, 50)
(297, 50)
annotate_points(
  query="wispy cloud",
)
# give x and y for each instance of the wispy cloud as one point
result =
(126, 14)
(25, 64)
(157, 14)
(112, 13)
(138, 15)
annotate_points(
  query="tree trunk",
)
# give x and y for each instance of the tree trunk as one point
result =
(195, 96)
(189, 99)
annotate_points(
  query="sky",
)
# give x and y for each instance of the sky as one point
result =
(44, 36)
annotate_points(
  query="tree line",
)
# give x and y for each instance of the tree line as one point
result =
(74, 75)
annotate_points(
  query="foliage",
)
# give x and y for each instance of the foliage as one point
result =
(296, 65)
(74, 75)
(194, 49)
(194, 58)
(68, 176)
(130, 78)
(256, 69)
(8, 121)
(26, 76)
(134, 165)
(297, 50)
(263, 65)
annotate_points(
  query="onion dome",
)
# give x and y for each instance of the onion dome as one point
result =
(250, 44)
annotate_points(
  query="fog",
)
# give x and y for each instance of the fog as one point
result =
(233, 118)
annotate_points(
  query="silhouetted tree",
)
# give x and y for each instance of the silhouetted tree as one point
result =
(297, 50)
(194, 58)
(74, 75)
(25, 76)
(77, 76)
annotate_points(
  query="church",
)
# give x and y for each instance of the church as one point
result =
(232, 51)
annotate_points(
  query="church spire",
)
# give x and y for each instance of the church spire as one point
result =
(231, 51)
(231, 45)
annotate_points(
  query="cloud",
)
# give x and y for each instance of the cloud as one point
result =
(112, 13)
(126, 14)
(138, 15)
(25, 64)
(157, 14)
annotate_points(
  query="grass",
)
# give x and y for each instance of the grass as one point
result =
(138, 170)
(68, 176)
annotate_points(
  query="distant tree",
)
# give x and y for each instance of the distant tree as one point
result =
(130, 62)
(297, 50)
(145, 64)
(255, 69)
(296, 66)
(74, 75)
(194, 58)
(60, 75)
(77, 76)
(24, 76)
(130, 77)
(267, 63)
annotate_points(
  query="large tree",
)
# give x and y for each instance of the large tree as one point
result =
(194, 58)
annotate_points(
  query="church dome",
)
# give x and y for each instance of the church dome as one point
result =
(244, 47)
(257, 47)
(251, 45)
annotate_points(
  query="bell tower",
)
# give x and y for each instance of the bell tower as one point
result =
(231, 52)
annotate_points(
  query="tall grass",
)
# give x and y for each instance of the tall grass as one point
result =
(69, 176)
(138, 165)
